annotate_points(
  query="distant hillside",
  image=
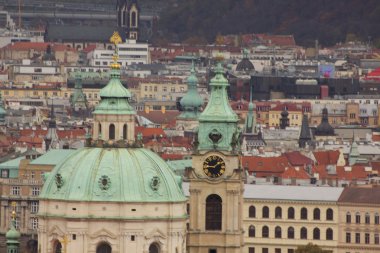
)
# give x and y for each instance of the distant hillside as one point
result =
(328, 21)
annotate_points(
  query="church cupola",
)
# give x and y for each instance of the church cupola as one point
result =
(325, 129)
(192, 102)
(218, 122)
(114, 117)
(128, 17)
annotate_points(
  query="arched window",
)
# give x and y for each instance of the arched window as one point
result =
(316, 234)
(252, 212)
(103, 248)
(357, 218)
(348, 217)
(377, 219)
(290, 213)
(316, 214)
(303, 234)
(329, 234)
(303, 213)
(112, 132)
(329, 214)
(125, 132)
(291, 233)
(265, 232)
(251, 231)
(154, 248)
(100, 128)
(125, 18)
(57, 247)
(213, 212)
(278, 213)
(277, 232)
(134, 19)
(265, 212)
(367, 218)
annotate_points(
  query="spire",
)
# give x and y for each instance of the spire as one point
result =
(218, 122)
(354, 152)
(305, 136)
(250, 121)
(192, 101)
(51, 138)
(78, 100)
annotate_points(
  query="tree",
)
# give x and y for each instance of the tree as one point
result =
(311, 248)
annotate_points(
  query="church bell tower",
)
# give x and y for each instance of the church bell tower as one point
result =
(128, 18)
(216, 177)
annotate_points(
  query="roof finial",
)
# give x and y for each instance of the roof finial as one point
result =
(115, 39)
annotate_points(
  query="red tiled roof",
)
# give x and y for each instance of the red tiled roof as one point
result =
(292, 172)
(327, 157)
(172, 156)
(71, 133)
(295, 158)
(149, 131)
(37, 46)
(265, 165)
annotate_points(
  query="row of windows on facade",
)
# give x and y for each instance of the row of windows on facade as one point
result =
(34, 206)
(164, 88)
(16, 190)
(97, 63)
(367, 218)
(266, 250)
(367, 238)
(112, 131)
(291, 213)
(33, 223)
(290, 233)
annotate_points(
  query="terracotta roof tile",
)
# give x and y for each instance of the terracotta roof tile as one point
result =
(295, 158)
(327, 157)
(360, 195)
(292, 172)
(265, 165)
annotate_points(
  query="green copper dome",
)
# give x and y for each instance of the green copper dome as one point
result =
(113, 174)
(114, 89)
(12, 234)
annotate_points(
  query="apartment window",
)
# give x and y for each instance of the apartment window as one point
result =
(316, 234)
(252, 212)
(303, 213)
(352, 115)
(34, 223)
(34, 207)
(265, 250)
(278, 213)
(265, 232)
(265, 212)
(377, 219)
(303, 233)
(172, 89)
(37, 70)
(15, 190)
(17, 223)
(366, 238)
(35, 191)
(329, 234)
(329, 214)
(251, 231)
(348, 237)
(367, 218)
(357, 237)
(155, 88)
(290, 250)
(277, 250)
(277, 232)
(348, 217)
(4, 173)
(376, 239)
(251, 250)
(357, 218)
(290, 213)
(317, 214)
(290, 233)
(165, 89)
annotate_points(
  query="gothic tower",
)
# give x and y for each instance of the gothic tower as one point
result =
(216, 177)
(128, 17)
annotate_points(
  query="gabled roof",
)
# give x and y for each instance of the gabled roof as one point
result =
(292, 172)
(295, 158)
(327, 157)
(258, 164)
(159, 117)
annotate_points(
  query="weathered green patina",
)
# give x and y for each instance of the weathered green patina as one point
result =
(218, 122)
(192, 101)
(115, 175)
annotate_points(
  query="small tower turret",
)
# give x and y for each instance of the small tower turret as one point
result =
(51, 139)
(13, 236)
(305, 135)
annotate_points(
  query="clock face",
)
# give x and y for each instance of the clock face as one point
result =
(214, 166)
